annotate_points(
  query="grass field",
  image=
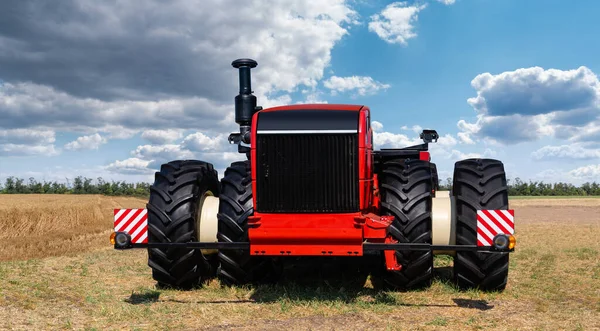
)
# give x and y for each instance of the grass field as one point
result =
(58, 271)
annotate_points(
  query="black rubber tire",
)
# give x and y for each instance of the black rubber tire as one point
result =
(172, 212)
(405, 191)
(238, 267)
(478, 184)
(435, 177)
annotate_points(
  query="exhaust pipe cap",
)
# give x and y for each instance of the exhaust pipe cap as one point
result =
(244, 63)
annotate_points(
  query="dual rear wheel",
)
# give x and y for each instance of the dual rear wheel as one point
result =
(406, 188)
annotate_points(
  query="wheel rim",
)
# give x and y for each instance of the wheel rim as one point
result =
(202, 218)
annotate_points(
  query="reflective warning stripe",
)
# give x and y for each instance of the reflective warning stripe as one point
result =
(134, 222)
(491, 223)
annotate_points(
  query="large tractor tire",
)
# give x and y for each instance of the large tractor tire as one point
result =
(238, 267)
(405, 192)
(478, 184)
(174, 210)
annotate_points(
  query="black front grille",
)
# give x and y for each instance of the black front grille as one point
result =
(307, 173)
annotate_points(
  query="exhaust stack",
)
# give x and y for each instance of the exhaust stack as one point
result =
(245, 102)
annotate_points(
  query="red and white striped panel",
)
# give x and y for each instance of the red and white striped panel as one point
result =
(134, 222)
(493, 222)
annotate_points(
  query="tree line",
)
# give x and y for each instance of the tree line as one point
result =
(539, 188)
(79, 185)
(84, 185)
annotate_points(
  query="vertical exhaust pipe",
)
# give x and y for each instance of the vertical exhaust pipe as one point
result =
(245, 102)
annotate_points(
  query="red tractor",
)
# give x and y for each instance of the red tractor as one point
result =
(312, 185)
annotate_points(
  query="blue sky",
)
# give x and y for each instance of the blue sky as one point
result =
(114, 90)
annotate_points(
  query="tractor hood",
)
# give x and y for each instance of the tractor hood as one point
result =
(307, 121)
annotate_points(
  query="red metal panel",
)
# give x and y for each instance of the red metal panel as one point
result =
(376, 201)
(253, 155)
(391, 263)
(424, 156)
(375, 227)
(305, 234)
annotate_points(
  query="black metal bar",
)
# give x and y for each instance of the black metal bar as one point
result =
(200, 245)
(428, 247)
(366, 246)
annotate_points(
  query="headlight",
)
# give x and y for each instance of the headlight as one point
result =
(504, 242)
(120, 239)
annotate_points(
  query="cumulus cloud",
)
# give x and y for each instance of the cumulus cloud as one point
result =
(27, 150)
(131, 166)
(25, 142)
(376, 126)
(573, 151)
(414, 128)
(116, 50)
(28, 105)
(161, 152)
(360, 85)
(393, 140)
(529, 103)
(590, 172)
(160, 137)
(199, 142)
(312, 96)
(535, 91)
(25, 136)
(86, 143)
(465, 138)
(106, 70)
(395, 23)
(199, 146)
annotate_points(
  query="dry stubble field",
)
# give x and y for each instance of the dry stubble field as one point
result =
(57, 270)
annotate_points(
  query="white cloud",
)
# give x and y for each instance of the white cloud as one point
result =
(446, 141)
(591, 172)
(161, 137)
(376, 126)
(572, 151)
(394, 24)
(86, 143)
(529, 103)
(197, 146)
(312, 96)
(26, 136)
(25, 142)
(27, 105)
(535, 91)
(27, 150)
(161, 152)
(361, 85)
(393, 140)
(456, 155)
(291, 40)
(447, 2)
(199, 142)
(415, 128)
(465, 138)
(141, 91)
(131, 166)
